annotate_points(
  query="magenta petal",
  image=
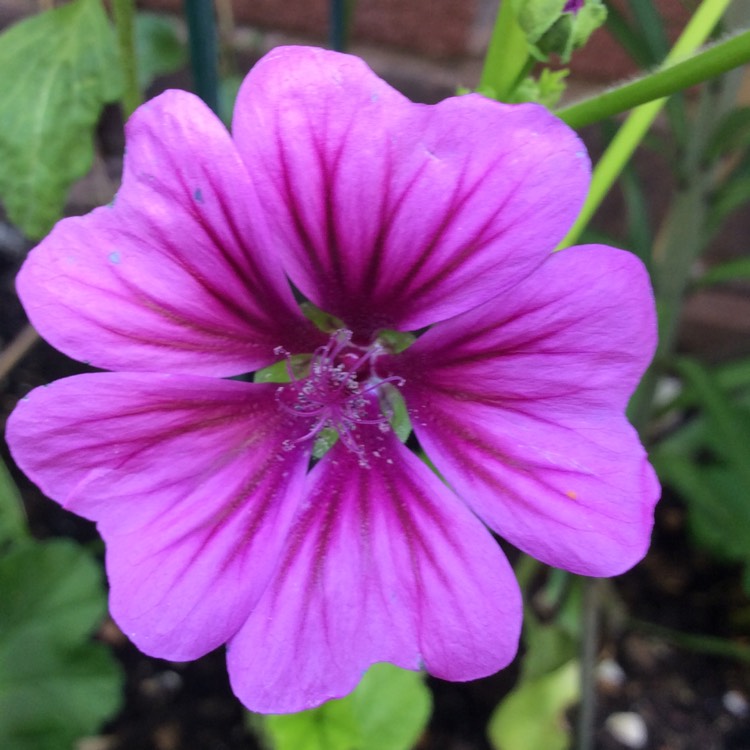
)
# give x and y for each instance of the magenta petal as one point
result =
(190, 487)
(384, 564)
(520, 405)
(393, 214)
(178, 275)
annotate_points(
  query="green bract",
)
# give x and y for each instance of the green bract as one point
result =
(550, 29)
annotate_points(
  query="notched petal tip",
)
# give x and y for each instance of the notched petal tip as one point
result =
(177, 275)
(383, 564)
(394, 214)
(520, 403)
(189, 487)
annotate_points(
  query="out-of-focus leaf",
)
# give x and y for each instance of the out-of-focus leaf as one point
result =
(55, 685)
(550, 644)
(58, 70)
(651, 28)
(228, 89)
(388, 711)
(630, 39)
(729, 271)
(730, 436)
(12, 522)
(640, 236)
(731, 133)
(707, 460)
(548, 647)
(52, 592)
(719, 505)
(533, 714)
(732, 195)
(158, 47)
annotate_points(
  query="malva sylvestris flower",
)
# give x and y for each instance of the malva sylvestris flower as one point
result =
(424, 235)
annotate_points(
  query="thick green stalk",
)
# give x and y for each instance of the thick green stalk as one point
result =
(124, 13)
(507, 54)
(623, 145)
(671, 78)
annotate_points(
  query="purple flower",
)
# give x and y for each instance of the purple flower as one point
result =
(390, 217)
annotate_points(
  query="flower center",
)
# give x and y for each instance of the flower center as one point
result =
(341, 391)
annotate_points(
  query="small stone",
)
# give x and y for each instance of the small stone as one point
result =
(102, 742)
(609, 674)
(629, 729)
(736, 703)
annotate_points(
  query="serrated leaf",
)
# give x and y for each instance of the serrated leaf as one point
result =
(58, 69)
(533, 714)
(12, 521)
(388, 711)
(55, 685)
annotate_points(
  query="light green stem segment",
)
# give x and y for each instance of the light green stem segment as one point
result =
(124, 12)
(636, 126)
(670, 78)
(506, 56)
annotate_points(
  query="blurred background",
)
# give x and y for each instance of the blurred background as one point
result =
(673, 642)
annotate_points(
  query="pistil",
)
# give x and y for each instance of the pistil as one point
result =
(339, 392)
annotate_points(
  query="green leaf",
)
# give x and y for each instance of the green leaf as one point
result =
(650, 28)
(533, 714)
(229, 87)
(536, 17)
(51, 591)
(12, 521)
(55, 686)
(731, 133)
(388, 711)
(59, 68)
(630, 38)
(719, 511)
(732, 195)
(158, 48)
(548, 647)
(729, 271)
(729, 436)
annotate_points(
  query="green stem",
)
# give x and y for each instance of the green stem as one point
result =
(124, 13)
(630, 135)
(711, 62)
(507, 54)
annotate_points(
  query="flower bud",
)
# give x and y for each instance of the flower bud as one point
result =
(559, 26)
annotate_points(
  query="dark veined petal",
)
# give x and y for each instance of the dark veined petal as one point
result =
(384, 564)
(393, 214)
(520, 403)
(190, 488)
(178, 275)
